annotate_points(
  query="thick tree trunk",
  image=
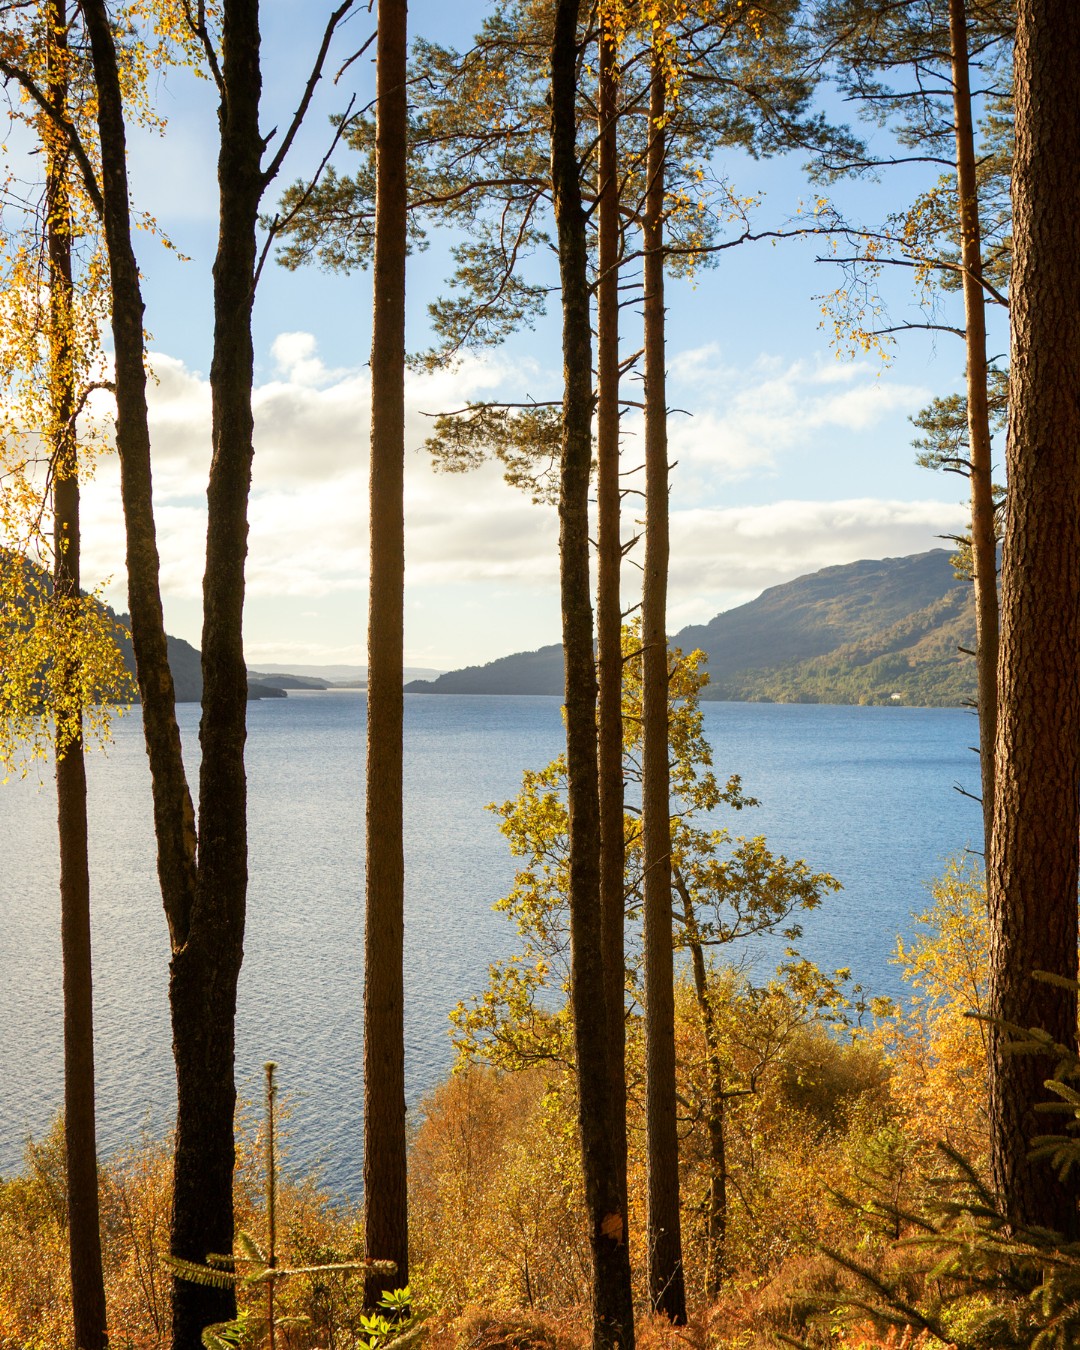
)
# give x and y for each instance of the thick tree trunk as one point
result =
(983, 539)
(608, 596)
(84, 1231)
(206, 967)
(666, 1281)
(612, 1302)
(386, 1230)
(204, 900)
(1033, 864)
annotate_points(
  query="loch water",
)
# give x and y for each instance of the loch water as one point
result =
(867, 794)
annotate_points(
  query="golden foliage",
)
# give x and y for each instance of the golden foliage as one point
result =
(61, 671)
(497, 1216)
(135, 1192)
(938, 1043)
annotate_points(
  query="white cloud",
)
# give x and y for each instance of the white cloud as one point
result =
(746, 416)
(308, 510)
(721, 558)
(482, 565)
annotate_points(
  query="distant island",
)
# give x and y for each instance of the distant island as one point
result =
(874, 632)
(268, 681)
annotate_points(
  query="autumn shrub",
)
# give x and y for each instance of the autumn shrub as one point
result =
(937, 1042)
(828, 1080)
(136, 1209)
(35, 1299)
(135, 1195)
(496, 1214)
(480, 1329)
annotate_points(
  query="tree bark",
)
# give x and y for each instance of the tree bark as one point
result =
(204, 897)
(174, 817)
(386, 1231)
(80, 1138)
(983, 536)
(612, 1302)
(205, 967)
(608, 594)
(666, 1280)
(1033, 864)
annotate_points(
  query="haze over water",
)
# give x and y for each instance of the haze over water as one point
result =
(864, 793)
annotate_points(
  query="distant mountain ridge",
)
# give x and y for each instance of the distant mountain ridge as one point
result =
(874, 631)
(539, 672)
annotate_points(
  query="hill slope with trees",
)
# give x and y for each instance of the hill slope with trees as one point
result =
(886, 631)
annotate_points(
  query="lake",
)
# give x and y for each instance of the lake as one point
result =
(864, 793)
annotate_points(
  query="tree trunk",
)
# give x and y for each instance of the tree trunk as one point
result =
(1033, 864)
(174, 821)
(205, 898)
(983, 537)
(174, 818)
(84, 1231)
(608, 596)
(612, 1302)
(666, 1281)
(206, 967)
(386, 1229)
(716, 1202)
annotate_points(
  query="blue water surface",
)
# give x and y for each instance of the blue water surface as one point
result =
(864, 793)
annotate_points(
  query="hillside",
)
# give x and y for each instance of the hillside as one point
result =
(184, 662)
(539, 672)
(885, 631)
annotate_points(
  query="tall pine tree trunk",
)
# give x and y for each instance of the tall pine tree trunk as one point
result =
(1033, 863)
(983, 537)
(80, 1137)
(174, 822)
(612, 1302)
(608, 593)
(667, 1290)
(386, 1232)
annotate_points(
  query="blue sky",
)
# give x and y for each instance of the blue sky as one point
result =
(793, 458)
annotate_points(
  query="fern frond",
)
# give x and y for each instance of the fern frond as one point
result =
(220, 1336)
(250, 1249)
(283, 1272)
(407, 1338)
(207, 1276)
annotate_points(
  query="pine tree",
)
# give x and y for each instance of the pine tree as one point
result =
(612, 1301)
(386, 1233)
(1032, 878)
(910, 65)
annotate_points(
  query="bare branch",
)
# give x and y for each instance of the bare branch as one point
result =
(309, 89)
(280, 223)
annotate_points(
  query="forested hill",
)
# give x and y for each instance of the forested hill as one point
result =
(539, 672)
(884, 631)
(184, 662)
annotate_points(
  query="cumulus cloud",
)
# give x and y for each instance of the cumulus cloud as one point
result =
(308, 515)
(481, 558)
(745, 416)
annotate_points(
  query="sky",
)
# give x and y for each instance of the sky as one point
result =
(788, 456)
